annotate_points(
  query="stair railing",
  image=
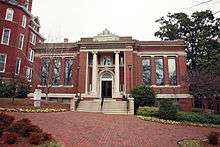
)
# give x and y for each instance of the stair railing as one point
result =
(125, 98)
(102, 102)
(78, 99)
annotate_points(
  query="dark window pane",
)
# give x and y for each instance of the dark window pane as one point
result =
(159, 71)
(45, 65)
(146, 71)
(68, 71)
(57, 71)
(172, 71)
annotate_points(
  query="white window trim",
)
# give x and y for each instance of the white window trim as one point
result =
(3, 34)
(19, 67)
(28, 73)
(24, 21)
(33, 38)
(31, 55)
(22, 43)
(6, 14)
(4, 63)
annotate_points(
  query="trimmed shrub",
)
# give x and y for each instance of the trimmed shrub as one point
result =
(9, 138)
(198, 117)
(23, 91)
(19, 126)
(143, 96)
(46, 137)
(213, 138)
(167, 110)
(26, 131)
(2, 127)
(6, 120)
(35, 138)
(7, 90)
(148, 111)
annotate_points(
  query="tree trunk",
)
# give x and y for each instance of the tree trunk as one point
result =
(46, 97)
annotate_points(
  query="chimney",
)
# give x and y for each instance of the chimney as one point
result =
(66, 40)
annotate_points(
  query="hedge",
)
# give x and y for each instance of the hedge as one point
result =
(182, 116)
(148, 111)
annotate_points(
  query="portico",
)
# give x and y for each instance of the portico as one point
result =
(103, 76)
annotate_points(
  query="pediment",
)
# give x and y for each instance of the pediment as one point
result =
(106, 35)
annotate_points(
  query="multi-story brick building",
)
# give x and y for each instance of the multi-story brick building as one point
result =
(110, 66)
(19, 33)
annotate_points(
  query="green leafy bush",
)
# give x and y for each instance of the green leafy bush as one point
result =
(7, 90)
(167, 110)
(23, 91)
(148, 111)
(198, 117)
(192, 117)
(143, 96)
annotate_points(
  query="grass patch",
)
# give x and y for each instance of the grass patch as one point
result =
(190, 143)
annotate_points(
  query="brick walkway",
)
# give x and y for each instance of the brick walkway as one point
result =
(93, 129)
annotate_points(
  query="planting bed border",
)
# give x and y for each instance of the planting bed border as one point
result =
(172, 122)
(26, 110)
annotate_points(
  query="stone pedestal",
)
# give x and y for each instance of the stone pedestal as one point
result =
(131, 106)
(72, 104)
(37, 98)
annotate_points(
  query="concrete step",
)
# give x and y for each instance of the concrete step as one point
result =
(109, 106)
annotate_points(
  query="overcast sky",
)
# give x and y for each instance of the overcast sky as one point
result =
(74, 19)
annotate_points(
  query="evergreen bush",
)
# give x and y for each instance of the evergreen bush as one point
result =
(143, 96)
(167, 110)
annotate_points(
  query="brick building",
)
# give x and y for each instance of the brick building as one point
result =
(109, 66)
(19, 33)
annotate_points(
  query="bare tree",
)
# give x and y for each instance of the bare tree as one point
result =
(204, 85)
(50, 67)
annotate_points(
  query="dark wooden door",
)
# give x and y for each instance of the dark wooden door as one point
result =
(107, 89)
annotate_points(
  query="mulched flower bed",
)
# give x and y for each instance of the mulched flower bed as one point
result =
(172, 122)
(23, 105)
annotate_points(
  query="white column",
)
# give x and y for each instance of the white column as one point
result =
(117, 93)
(94, 73)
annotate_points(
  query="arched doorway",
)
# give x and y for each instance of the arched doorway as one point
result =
(106, 85)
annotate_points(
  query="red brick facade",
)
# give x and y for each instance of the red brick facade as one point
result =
(131, 53)
(11, 50)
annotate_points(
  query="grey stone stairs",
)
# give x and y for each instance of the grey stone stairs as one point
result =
(109, 106)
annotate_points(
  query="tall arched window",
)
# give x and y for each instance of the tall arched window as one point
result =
(9, 14)
(24, 21)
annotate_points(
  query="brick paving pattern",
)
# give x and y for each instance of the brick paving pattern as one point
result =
(98, 130)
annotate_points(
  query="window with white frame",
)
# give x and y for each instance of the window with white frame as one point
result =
(29, 72)
(26, 4)
(21, 41)
(31, 55)
(17, 66)
(33, 38)
(24, 21)
(3, 58)
(9, 14)
(6, 36)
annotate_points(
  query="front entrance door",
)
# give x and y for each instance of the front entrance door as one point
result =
(107, 89)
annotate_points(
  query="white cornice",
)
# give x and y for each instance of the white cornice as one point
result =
(162, 53)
